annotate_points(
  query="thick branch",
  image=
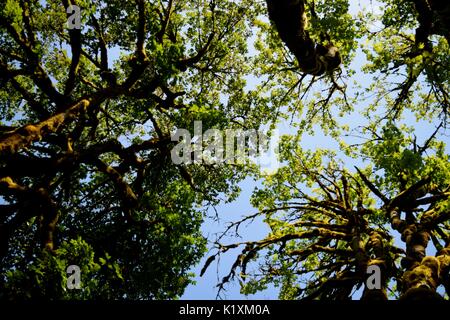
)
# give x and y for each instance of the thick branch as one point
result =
(289, 17)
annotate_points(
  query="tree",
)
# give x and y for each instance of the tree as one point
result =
(332, 224)
(86, 176)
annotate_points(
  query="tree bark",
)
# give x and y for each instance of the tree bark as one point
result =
(290, 20)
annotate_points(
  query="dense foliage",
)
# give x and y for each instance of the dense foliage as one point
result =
(379, 195)
(86, 117)
(86, 176)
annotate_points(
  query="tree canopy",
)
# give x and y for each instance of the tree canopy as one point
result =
(87, 116)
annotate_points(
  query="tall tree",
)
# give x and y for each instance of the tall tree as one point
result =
(86, 175)
(331, 224)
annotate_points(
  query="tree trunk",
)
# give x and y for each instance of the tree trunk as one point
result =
(289, 17)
